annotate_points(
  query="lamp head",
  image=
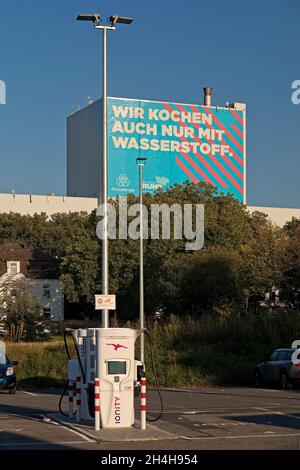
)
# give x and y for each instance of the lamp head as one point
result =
(119, 19)
(94, 17)
(141, 161)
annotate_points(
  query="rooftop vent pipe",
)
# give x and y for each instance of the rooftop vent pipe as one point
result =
(207, 95)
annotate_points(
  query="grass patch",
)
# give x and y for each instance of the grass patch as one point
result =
(188, 352)
(40, 364)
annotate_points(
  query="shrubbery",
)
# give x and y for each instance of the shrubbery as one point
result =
(244, 257)
(21, 316)
(188, 352)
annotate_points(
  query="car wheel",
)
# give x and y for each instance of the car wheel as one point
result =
(258, 381)
(283, 381)
(12, 391)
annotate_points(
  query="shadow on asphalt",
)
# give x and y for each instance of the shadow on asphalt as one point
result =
(18, 441)
(23, 410)
(274, 420)
(13, 413)
(280, 394)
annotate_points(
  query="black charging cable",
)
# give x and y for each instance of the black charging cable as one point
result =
(66, 332)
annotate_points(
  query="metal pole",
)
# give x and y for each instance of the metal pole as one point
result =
(105, 313)
(97, 404)
(143, 403)
(142, 337)
(97, 379)
(71, 389)
(78, 399)
(103, 190)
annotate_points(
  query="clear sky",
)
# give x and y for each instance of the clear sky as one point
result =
(248, 51)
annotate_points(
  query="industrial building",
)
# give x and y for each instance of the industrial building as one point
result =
(28, 204)
(180, 142)
(169, 135)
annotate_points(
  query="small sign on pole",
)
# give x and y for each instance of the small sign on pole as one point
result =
(107, 302)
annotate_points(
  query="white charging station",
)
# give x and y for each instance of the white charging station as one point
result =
(116, 371)
(108, 355)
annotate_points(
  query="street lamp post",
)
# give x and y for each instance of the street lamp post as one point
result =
(103, 193)
(141, 162)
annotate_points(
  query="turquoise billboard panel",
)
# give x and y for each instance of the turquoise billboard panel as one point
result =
(180, 142)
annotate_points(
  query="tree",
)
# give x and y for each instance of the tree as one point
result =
(292, 227)
(80, 270)
(244, 255)
(22, 315)
(263, 257)
(290, 283)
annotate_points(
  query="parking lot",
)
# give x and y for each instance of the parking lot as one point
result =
(206, 418)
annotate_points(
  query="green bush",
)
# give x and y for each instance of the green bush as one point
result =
(40, 364)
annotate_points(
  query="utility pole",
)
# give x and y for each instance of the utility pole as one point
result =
(141, 162)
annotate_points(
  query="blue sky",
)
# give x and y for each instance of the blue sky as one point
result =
(247, 51)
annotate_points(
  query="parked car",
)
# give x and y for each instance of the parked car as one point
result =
(278, 368)
(8, 379)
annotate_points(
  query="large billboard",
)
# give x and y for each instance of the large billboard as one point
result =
(180, 141)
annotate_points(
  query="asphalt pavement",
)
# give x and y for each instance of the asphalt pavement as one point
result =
(208, 418)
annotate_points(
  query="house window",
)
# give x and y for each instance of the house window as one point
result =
(13, 292)
(46, 291)
(13, 267)
(47, 312)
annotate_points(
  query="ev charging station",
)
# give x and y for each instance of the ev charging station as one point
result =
(117, 373)
(103, 379)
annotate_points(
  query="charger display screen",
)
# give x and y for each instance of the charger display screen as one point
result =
(116, 367)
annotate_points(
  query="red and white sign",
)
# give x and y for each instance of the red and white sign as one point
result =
(105, 302)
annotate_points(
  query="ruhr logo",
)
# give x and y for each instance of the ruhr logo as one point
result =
(116, 346)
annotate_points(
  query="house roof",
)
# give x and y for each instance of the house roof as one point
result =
(34, 263)
(22, 252)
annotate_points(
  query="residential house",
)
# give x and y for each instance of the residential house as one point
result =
(39, 272)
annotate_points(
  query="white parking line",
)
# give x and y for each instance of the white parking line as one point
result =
(11, 430)
(251, 436)
(286, 416)
(231, 410)
(83, 436)
(30, 393)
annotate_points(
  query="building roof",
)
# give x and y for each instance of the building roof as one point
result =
(28, 204)
(22, 252)
(34, 264)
